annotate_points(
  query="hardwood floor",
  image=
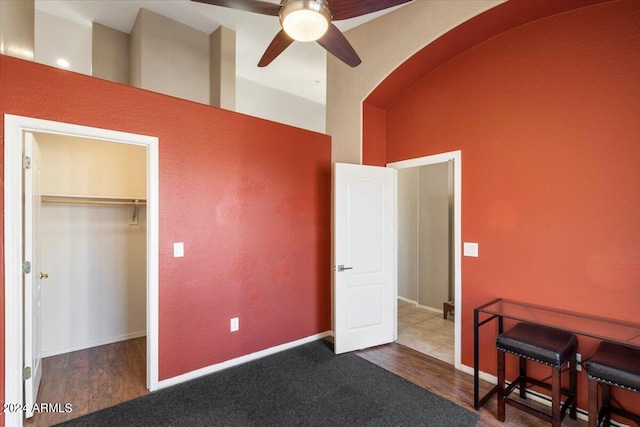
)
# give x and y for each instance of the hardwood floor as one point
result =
(91, 379)
(441, 378)
(104, 376)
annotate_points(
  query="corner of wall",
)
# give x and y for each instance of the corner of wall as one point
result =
(135, 52)
(110, 54)
(223, 68)
(17, 29)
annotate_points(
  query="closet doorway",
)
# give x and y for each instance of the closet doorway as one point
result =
(97, 278)
(427, 255)
(93, 232)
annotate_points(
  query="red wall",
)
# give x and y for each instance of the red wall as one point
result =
(249, 198)
(547, 116)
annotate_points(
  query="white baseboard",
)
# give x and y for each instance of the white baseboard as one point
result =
(425, 307)
(536, 397)
(239, 360)
(483, 375)
(407, 300)
(94, 343)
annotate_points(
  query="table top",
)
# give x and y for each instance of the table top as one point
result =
(601, 328)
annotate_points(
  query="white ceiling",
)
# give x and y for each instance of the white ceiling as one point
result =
(300, 70)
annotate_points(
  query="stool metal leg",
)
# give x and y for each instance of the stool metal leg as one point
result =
(556, 420)
(593, 403)
(501, 414)
(573, 386)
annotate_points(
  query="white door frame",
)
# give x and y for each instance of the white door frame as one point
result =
(14, 128)
(456, 156)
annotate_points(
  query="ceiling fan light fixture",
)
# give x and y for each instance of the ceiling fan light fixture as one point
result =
(305, 20)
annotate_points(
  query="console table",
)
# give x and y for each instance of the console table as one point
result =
(581, 324)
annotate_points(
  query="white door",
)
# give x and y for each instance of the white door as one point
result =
(32, 280)
(364, 256)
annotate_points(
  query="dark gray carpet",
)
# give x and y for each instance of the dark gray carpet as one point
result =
(304, 386)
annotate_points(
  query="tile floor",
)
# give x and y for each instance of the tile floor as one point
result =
(426, 331)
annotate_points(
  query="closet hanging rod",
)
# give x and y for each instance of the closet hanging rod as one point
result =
(106, 201)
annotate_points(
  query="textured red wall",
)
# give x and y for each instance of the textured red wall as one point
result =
(249, 198)
(547, 118)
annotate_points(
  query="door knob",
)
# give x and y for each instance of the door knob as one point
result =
(343, 268)
(44, 275)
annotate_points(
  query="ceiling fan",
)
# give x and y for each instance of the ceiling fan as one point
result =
(310, 20)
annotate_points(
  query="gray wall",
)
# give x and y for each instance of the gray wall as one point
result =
(135, 53)
(408, 233)
(177, 60)
(425, 197)
(251, 97)
(223, 68)
(17, 28)
(258, 100)
(110, 54)
(173, 58)
(433, 242)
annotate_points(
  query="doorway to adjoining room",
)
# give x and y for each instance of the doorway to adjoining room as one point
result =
(426, 260)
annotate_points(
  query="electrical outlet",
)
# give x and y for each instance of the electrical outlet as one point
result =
(578, 362)
(178, 249)
(235, 324)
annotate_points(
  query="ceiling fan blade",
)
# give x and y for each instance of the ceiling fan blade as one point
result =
(345, 9)
(279, 43)
(261, 7)
(337, 44)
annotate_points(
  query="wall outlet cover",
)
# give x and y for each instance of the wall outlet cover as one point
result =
(470, 249)
(178, 249)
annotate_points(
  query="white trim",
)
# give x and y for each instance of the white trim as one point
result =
(422, 307)
(13, 352)
(94, 343)
(394, 255)
(535, 396)
(481, 374)
(417, 247)
(426, 160)
(456, 156)
(410, 301)
(433, 309)
(14, 127)
(240, 360)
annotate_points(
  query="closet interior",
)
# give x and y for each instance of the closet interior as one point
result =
(93, 237)
(93, 240)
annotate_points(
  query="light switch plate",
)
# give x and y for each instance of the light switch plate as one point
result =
(470, 249)
(178, 249)
(234, 324)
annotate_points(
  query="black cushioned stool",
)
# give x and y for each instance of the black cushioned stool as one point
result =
(612, 365)
(542, 344)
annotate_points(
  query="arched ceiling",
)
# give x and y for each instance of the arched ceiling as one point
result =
(494, 21)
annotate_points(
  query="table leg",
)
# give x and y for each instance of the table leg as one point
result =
(476, 361)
